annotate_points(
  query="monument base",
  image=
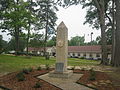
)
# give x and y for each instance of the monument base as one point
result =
(61, 75)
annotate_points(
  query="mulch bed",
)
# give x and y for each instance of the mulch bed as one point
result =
(102, 81)
(10, 81)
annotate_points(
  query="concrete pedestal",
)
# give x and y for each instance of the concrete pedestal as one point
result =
(66, 74)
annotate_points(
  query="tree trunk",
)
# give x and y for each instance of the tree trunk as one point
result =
(103, 39)
(46, 32)
(104, 60)
(116, 61)
(28, 38)
(17, 40)
(101, 12)
(113, 32)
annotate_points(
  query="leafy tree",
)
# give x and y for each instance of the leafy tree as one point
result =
(116, 61)
(11, 44)
(14, 19)
(92, 43)
(37, 40)
(51, 42)
(76, 41)
(99, 8)
(31, 19)
(47, 15)
(109, 37)
(3, 44)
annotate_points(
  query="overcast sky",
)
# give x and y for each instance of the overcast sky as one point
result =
(73, 17)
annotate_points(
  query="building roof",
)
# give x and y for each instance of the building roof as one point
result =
(37, 49)
(84, 49)
(92, 48)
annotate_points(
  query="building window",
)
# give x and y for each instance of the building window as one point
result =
(97, 55)
(90, 55)
(78, 54)
(73, 54)
(84, 55)
(68, 53)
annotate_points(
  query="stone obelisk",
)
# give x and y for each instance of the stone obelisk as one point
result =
(61, 48)
(61, 52)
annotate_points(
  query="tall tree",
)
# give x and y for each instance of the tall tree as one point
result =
(31, 20)
(100, 5)
(3, 44)
(51, 42)
(15, 19)
(77, 41)
(99, 8)
(48, 17)
(116, 61)
(37, 40)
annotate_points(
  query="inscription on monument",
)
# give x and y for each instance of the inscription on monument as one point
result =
(59, 67)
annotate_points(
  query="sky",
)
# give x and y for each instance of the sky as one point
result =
(73, 17)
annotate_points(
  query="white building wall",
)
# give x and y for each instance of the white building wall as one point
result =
(76, 54)
(109, 56)
(71, 54)
(87, 55)
(81, 54)
(94, 56)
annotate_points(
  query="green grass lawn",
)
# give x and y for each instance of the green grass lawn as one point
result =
(9, 63)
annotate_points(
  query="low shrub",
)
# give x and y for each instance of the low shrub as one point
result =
(38, 85)
(25, 70)
(83, 69)
(82, 57)
(92, 75)
(30, 69)
(20, 76)
(39, 68)
(47, 66)
(91, 70)
(73, 68)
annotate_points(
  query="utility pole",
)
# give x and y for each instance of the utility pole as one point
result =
(91, 37)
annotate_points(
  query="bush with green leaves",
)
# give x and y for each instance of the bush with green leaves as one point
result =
(92, 76)
(83, 69)
(38, 85)
(25, 70)
(20, 76)
(47, 66)
(91, 70)
(82, 57)
(30, 69)
(39, 68)
(73, 68)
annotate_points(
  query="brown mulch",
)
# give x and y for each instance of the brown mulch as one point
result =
(102, 81)
(10, 81)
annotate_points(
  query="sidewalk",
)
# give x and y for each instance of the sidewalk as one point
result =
(65, 84)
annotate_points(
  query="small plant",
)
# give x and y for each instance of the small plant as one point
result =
(39, 68)
(47, 66)
(37, 85)
(82, 57)
(73, 68)
(26, 71)
(92, 75)
(83, 69)
(20, 76)
(91, 70)
(30, 69)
